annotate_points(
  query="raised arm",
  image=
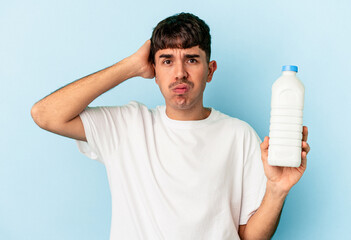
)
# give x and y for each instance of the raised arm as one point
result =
(59, 111)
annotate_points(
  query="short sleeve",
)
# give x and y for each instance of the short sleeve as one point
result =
(104, 127)
(254, 179)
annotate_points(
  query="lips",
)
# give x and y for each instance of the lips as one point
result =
(181, 88)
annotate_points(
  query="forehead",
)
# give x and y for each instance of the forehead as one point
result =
(181, 51)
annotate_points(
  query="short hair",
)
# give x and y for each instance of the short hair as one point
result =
(182, 30)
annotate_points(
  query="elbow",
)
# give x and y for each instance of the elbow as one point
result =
(38, 116)
(45, 119)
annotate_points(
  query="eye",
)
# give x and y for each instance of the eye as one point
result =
(166, 62)
(192, 60)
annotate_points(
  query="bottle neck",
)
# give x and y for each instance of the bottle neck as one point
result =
(289, 73)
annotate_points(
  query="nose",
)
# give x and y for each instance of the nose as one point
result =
(180, 71)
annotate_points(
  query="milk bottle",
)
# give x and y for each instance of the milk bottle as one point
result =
(285, 130)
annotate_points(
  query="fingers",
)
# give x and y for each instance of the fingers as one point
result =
(305, 147)
(304, 133)
(303, 159)
(264, 150)
(147, 43)
(265, 143)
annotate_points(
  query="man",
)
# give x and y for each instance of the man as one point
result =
(180, 171)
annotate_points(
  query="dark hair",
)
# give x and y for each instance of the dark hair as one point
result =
(182, 30)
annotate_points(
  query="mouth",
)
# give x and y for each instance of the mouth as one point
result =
(181, 88)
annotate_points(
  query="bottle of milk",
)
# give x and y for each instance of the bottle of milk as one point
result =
(285, 130)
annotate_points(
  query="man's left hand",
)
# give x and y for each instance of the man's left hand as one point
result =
(284, 178)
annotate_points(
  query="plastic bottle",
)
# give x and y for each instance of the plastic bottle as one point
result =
(285, 132)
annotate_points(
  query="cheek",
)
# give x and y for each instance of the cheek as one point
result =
(160, 75)
(201, 71)
(162, 84)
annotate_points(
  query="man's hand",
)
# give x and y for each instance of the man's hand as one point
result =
(284, 178)
(140, 59)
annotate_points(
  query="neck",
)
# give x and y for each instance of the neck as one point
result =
(191, 114)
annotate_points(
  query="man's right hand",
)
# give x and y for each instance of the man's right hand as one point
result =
(140, 60)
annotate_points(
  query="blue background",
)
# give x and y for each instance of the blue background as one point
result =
(48, 190)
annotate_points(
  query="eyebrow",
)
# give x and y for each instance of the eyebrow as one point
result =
(186, 55)
(192, 55)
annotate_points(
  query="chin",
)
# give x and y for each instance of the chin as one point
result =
(181, 105)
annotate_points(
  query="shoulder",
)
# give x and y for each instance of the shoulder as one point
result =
(235, 123)
(119, 117)
(239, 128)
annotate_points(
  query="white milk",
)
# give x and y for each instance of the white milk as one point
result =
(285, 132)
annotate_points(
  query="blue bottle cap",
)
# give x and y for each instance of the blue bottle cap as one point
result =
(289, 68)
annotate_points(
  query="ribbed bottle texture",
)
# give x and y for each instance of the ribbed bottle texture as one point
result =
(285, 130)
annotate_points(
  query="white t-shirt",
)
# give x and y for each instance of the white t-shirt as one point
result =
(175, 180)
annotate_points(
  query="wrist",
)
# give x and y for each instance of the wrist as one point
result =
(129, 66)
(276, 191)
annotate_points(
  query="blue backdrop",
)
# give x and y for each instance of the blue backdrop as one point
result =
(48, 190)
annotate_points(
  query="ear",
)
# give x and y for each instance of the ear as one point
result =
(212, 66)
(156, 79)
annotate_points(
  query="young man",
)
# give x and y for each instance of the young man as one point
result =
(180, 171)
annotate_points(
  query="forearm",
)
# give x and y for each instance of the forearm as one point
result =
(66, 103)
(264, 222)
